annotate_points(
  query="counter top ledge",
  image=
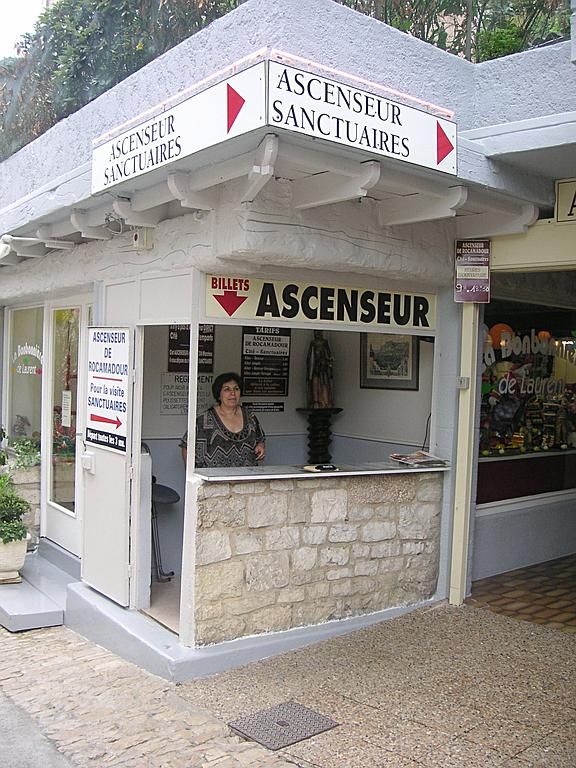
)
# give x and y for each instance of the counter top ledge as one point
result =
(226, 474)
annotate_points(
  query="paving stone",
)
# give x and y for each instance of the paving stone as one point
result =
(101, 710)
(441, 687)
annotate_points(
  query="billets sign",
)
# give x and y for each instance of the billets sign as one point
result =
(472, 271)
(268, 300)
(265, 361)
(107, 387)
(285, 98)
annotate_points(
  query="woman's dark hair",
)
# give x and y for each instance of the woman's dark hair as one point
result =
(219, 382)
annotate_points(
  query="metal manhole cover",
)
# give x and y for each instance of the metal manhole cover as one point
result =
(282, 725)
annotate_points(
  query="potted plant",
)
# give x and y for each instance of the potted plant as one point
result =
(3, 455)
(13, 532)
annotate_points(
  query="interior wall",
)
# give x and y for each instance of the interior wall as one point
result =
(162, 434)
(370, 417)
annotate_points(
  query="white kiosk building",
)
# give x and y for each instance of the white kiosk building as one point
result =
(282, 172)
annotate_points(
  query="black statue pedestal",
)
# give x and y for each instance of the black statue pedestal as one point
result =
(319, 433)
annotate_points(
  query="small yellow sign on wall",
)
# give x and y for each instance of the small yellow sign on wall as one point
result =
(566, 201)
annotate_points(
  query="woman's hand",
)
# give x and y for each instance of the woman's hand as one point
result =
(260, 451)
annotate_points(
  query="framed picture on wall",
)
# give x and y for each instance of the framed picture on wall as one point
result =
(388, 361)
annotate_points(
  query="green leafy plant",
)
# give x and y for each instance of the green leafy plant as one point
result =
(3, 455)
(12, 509)
(26, 451)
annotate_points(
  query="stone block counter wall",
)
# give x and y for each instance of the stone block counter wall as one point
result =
(277, 554)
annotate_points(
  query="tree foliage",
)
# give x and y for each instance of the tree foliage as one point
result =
(81, 48)
(497, 27)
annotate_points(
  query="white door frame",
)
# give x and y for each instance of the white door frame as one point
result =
(141, 501)
(56, 522)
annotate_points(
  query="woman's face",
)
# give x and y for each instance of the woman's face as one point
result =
(230, 394)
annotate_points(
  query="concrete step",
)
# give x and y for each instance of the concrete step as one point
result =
(22, 607)
(47, 578)
(39, 600)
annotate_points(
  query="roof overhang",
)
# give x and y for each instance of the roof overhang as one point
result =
(542, 145)
(72, 209)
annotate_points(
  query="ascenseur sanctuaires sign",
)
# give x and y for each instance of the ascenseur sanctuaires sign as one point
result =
(285, 98)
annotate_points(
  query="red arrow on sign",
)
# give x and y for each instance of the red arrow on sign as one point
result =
(235, 104)
(106, 420)
(230, 301)
(443, 144)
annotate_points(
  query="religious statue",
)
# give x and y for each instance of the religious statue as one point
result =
(319, 372)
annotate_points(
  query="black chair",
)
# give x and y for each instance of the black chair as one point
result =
(161, 494)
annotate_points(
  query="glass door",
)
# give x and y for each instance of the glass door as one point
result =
(65, 339)
(66, 326)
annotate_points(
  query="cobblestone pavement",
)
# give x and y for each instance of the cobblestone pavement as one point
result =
(437, 688)
(102, 711)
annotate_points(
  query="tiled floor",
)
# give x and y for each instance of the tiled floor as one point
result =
(165, 603)
(542, 594)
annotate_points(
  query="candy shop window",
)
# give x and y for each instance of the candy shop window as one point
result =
(528, 406)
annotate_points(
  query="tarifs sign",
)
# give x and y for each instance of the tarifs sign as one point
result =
(256, 299)
(285, 98)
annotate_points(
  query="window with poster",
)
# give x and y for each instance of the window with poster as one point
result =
(528, 406)
(24, 383)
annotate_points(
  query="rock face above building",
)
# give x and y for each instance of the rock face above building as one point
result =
(273, 555)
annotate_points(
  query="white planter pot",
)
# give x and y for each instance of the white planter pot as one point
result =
(12, 556)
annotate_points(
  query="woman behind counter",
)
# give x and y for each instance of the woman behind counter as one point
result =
(228, 434)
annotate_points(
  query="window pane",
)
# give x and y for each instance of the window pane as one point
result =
(66, 325)
(25, 381)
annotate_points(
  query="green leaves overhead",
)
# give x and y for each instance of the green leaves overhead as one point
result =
(81, 48)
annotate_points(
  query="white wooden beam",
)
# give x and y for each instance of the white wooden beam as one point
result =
(30, 251)
(411, 209)
(20, 242)
(211, 175)
(144, 199)
(180, 185)
(313, 161)
(149, 218)
(263, 168)
(81, 223)
(329, 188)
(401, 183)
(8, 257)
(56, 230)
(59, 245)
(490, 223)
(29, 247)
(95, 217)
